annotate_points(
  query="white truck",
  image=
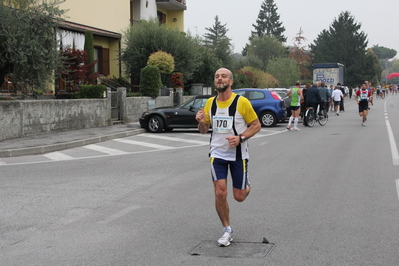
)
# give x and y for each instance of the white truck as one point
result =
(329, 73)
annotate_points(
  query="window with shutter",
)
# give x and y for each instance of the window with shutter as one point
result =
(105, 62)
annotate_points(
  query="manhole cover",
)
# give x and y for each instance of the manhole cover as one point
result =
(235, 250)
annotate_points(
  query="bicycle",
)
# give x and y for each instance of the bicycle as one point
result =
(311, 118)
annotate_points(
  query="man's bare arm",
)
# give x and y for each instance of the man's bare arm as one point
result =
(202, 126)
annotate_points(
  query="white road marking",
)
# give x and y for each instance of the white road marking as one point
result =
(145, 144)
(119, 214)
(269, 134)
(392, 142)
(105, 149)
(174, 139)
(57, 156)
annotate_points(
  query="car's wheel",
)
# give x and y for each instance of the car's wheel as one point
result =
(155, 124)
(268, 119)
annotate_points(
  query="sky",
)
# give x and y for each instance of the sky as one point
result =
(378, 19)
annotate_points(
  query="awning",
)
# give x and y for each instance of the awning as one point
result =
(79, 28)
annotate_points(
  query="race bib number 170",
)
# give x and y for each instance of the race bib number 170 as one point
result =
(222, 124)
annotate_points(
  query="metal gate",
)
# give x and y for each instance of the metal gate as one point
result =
(115, 110)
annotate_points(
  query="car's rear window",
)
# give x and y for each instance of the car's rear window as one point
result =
(256, 95)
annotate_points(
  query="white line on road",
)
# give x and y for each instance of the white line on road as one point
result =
(392, 142)
(57, 156)
(105, 149)
(397, 186)
(119, 214)
(145, 144)
(175, 139)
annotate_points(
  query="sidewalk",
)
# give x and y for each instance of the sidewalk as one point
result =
(65, 140)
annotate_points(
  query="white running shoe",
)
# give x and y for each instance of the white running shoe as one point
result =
(296, 129)
(224, 241)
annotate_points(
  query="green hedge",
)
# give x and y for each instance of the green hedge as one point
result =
(150, 81)
(91, 91)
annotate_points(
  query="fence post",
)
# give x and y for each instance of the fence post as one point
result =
(109, 106)
(122, 103)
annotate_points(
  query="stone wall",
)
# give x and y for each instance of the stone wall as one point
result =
(29, 118)
(34, 117)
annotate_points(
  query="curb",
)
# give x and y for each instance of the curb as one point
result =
(67, 145)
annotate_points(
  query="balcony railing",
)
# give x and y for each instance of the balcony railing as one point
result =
(172, 4)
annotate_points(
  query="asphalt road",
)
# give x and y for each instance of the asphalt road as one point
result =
(323, 195)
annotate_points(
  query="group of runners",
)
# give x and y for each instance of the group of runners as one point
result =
(333, 99)
(234, 121)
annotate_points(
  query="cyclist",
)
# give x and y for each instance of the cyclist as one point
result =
(363, 99)
(325, 96)
(313, 98)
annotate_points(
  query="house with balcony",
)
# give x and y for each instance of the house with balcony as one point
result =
(107, 20)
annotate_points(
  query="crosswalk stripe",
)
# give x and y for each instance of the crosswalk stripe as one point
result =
(175, 139)
(106, 150)
(145, 144)
(57, 156)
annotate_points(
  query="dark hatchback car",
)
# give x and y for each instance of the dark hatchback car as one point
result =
(168, 118)
(267, 104)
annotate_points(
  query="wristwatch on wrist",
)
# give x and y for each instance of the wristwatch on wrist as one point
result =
(242, 138)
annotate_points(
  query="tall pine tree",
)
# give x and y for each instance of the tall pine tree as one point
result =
(344, 43)
(268, 23)
(218, 42)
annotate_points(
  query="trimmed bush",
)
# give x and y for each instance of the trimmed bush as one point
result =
(164, 61)
(90, 91)
(150, 81)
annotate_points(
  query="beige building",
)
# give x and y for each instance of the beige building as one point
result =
(108, 18)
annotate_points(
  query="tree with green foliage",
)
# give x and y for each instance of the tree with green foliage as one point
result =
(150, 81)
(394, 69)
(89, 48)
(383, 52)
(217, 41)
(344, 43)
(285, 70)
(395, 66)
(28, 43)
(164, 61)
(268, 23)
(374, 65)
(146, 37)
(262, 49)
(206, 67)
